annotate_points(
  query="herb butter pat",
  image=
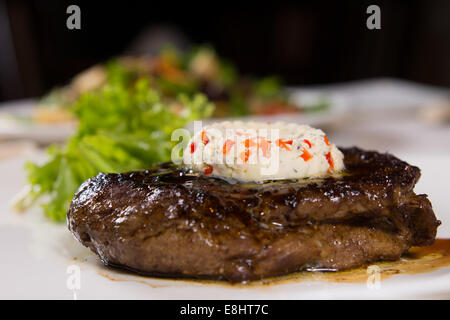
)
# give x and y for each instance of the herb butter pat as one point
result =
(256, 151)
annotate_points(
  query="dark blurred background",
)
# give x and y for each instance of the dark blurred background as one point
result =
(304, 43)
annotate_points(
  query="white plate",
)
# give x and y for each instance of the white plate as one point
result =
(16, 122)
(380, 93)
(36, 255)
(372, 94)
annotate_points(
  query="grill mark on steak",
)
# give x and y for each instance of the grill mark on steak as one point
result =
(168, 221)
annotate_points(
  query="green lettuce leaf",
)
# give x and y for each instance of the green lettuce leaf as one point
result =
(120, 129)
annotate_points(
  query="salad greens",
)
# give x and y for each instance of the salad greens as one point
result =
(173, 72)
(121, 128)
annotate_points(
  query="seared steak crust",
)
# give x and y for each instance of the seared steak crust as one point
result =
(166, 221)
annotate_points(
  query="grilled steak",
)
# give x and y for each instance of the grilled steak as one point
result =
(168, 222)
